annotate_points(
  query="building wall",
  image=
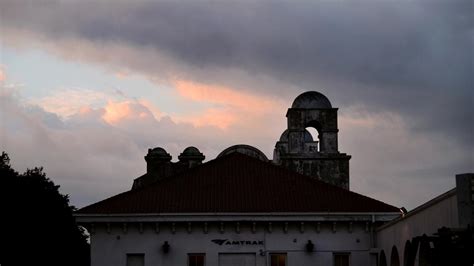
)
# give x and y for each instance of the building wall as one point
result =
(110, 246)
(426, 219)
(465, 195)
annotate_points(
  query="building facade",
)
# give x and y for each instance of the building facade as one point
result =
(242, 208)
(439, 232)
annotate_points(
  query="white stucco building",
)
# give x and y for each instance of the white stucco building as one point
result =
(236, 210)
(242, 209)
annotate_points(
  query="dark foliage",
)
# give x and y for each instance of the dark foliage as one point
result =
(37, 224)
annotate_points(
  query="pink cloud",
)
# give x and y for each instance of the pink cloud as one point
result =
(3, 76)
(83, 102)
(234, 106)
(223, 95)
(152, 108)
(114, 112)
(118, 111)
(68, 102)
(220, 118)
(122, 74)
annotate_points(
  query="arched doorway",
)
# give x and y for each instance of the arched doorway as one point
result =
(408, 254)
(394, 258)
(382, 259)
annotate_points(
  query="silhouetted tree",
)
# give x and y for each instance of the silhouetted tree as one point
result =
(36, 222)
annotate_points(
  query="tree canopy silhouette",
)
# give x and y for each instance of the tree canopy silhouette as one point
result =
(37, 223)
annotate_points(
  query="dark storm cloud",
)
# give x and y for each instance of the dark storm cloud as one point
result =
(410, 57)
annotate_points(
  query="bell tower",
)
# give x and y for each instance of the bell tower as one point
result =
(298, 151)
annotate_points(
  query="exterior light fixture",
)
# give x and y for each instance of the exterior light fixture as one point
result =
(262, 252)
(309, 246)
(404, 211)
(165, 247)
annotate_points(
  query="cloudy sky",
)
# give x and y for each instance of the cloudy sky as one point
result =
(88, 86)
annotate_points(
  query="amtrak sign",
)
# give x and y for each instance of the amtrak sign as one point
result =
(229, 242)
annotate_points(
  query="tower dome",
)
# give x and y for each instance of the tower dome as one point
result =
(245, 149)
(307, 136)
(311, 100)
(191, 153)
(158, 151)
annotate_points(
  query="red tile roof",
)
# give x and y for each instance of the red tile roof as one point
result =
(237, 183)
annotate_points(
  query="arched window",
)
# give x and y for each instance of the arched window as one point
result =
(382, 259)
(312, 144)
(394, 258)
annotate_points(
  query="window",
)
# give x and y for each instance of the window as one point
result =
(135, 259)
(240, 259)
(277, 259)
(196, 259)
(341, 259)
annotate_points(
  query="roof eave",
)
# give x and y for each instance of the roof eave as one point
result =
(284, 216)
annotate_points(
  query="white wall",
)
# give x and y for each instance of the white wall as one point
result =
(427, 220)
(110, 248)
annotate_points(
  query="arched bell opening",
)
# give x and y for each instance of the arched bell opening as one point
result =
(312, 145)
(315, 129)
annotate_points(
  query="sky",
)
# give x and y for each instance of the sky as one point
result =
(86, 87)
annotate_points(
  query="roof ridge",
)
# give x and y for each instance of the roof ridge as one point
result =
(238, 168)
